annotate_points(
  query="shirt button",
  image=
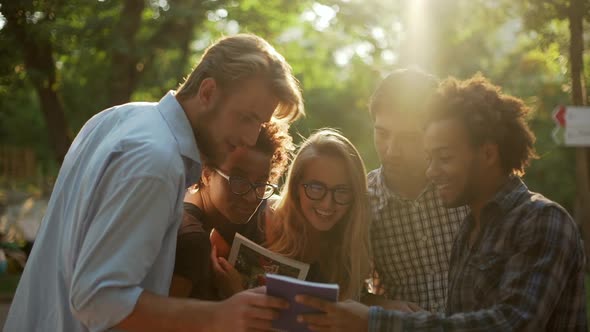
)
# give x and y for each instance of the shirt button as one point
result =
(424, 238)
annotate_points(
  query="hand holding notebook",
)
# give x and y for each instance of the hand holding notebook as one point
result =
(287, 288)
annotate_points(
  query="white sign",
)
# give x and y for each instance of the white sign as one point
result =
(577, 126)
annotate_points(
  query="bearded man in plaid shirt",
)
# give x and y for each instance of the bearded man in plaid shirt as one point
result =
(412, 232)
(518, 263)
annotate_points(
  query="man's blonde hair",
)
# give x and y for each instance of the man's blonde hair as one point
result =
(232, 60)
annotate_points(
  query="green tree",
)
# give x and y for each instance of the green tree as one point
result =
(543, 17)
(28, 25)
(81, 57)
(109, 52)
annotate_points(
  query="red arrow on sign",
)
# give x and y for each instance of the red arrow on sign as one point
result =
(559, 115)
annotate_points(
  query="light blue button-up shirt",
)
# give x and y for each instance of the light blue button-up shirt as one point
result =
(109, 231)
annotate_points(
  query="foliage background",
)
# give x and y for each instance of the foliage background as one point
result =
(107, 52)
(63, 61)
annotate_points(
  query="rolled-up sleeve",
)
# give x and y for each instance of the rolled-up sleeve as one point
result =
(124, 237)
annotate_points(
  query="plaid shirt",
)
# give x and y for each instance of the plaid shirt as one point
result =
(525, 272)
(411, 241)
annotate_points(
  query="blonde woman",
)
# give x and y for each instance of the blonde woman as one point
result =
(322, 216)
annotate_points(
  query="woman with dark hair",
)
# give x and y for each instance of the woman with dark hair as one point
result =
(222, 203)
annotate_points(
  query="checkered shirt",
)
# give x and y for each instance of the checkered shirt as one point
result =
(411, 242)
(524, 272)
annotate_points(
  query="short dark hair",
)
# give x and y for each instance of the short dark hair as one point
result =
(403, 89)
(489, 116)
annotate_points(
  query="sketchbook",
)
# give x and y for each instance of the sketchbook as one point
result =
(254, 262)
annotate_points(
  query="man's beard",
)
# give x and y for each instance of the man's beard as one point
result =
(470, 189)
(406, 176)
(209, 149)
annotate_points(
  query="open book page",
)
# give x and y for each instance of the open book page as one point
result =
(287, 288)
(254, 261)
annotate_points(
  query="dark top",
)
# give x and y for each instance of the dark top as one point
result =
(193, 248)
(314, 273)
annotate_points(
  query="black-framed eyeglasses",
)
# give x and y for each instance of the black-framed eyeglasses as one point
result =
(241, 186)
(317, 191)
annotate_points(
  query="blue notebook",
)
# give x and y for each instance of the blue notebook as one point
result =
(286, 288)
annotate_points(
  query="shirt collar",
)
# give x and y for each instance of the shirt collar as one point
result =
(509, 194)
(381, 191)
(179, 125)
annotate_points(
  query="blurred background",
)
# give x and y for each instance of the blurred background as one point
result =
(61, 62)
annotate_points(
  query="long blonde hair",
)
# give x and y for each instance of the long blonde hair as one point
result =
(345, 255)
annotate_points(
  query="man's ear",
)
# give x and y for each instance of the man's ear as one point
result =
(491, 154)
(206, 175)
(208, 91)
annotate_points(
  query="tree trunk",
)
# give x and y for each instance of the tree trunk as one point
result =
(38, 54)
(582, 206)
(176, 31)
(125, 58)
(128, 64)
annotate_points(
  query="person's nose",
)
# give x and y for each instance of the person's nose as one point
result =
(327, 201)
(433, 170)
(250, 135)
(393, 149)
(250, 197)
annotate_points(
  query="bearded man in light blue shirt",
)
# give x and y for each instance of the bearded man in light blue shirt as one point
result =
(104, 255)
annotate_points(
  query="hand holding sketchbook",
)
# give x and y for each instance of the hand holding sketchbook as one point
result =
(253, 262)
(287, 288)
